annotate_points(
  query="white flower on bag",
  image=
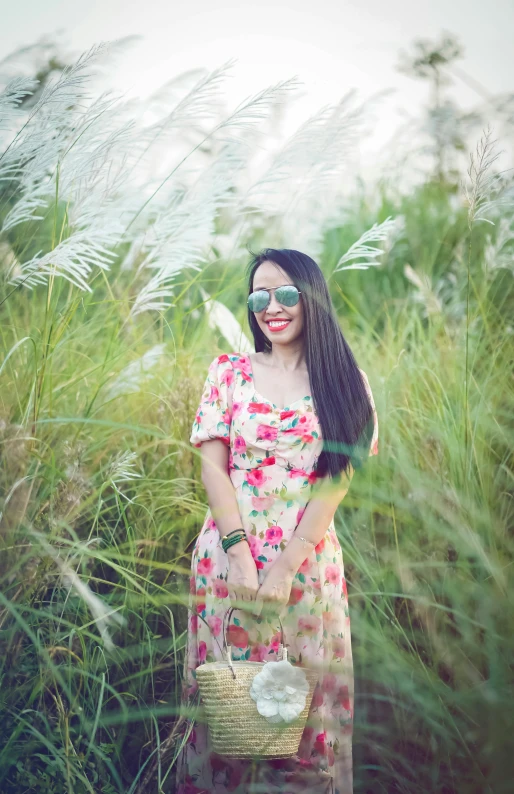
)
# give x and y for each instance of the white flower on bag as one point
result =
(280, 691)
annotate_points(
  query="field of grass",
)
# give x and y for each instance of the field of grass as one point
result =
(107, 325)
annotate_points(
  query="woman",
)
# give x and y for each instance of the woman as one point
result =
(281, 432)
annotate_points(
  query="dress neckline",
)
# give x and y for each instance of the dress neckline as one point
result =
(257, 394)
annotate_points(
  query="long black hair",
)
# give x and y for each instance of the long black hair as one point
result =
(340, 398)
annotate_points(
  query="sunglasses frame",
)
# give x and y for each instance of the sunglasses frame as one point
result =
(269, 291)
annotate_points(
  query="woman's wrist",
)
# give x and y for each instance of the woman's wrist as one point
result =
(294, 554)
(240, 549)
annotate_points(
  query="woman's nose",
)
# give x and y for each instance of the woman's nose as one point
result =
(274, 305)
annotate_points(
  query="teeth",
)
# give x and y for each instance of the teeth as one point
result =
(274, 323)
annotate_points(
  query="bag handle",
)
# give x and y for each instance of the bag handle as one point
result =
(228, 648)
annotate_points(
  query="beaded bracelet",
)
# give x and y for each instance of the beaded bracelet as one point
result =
(240, 529)
(236, 536)
(226, 546)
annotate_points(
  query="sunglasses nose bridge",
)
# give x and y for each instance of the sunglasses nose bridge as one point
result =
(273, 302)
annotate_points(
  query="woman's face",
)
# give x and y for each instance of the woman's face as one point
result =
(267, 276)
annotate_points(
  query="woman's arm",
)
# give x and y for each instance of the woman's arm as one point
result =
(242, 577)
(218, 485)
(325, 498)
(275, 591)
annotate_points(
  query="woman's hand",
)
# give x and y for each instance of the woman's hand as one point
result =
(242, 577)
(275, 591)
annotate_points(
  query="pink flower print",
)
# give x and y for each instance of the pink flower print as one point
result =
(343, 697)
(227, 377)
(297, 473)
(205, 565)
(193, 623)
(319, 744)
(259, 408)
(236, 409)
(286, 414)
(275, 642)
(239, 445)
(329, 682)
(267, 432)
(226, 417)
(245, 366)
(258, 653)
(328, 620)
(345, 591)
(332, 573)
(295, 596)
(261, 503)
(202, 651)
(200, 605)
(219, 588)
(274, 535)
(316, 584)
(214, 394)
(338, 647)
(192, 584)
(237, 635)
(305, 566)
(255, 544)
(321, 545)
(215, 624)
(317, 698)
(269, 461)
(309, 624)
(256, 477)
(299, 515)
(211, 524)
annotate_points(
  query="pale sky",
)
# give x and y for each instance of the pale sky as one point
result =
(329, 45)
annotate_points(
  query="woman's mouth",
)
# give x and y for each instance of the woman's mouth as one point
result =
(278, 325)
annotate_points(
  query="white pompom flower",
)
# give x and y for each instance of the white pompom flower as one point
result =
(280, 691)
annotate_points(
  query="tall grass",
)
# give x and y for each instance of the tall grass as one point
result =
(113, 277)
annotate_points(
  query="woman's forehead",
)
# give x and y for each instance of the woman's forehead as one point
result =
(268, 274)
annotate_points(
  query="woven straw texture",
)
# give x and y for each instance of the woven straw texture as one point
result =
(236, 727)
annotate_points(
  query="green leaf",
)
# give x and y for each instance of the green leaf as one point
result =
(255, 490)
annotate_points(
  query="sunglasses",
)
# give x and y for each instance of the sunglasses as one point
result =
(288, 295)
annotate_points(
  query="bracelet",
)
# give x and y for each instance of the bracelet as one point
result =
(305, 540)
(236, 536)
(226, 546)
(240, 529)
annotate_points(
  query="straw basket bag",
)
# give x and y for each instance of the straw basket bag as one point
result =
(255, 709)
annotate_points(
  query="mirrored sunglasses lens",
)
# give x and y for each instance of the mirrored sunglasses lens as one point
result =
(258, 300)
(287, 296)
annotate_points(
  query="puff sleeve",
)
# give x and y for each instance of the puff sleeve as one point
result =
(373, 450)
(214, 415)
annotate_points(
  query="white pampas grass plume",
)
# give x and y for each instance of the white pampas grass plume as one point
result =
(103, 615)
(131, 378)
(483, 193)
(363, 249)
(220, 318)
(425, 293)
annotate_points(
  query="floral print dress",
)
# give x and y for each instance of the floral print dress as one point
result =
(272, 464)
